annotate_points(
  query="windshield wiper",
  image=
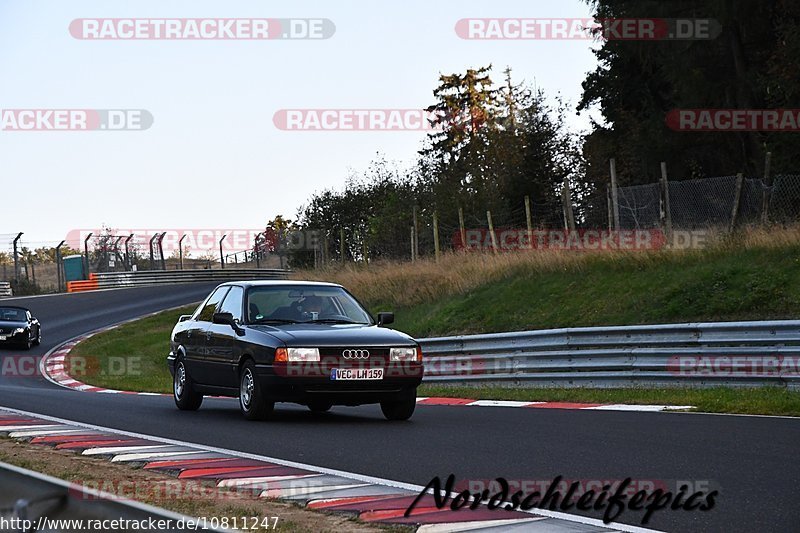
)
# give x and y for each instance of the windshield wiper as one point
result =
(276, 321)
(334, 321)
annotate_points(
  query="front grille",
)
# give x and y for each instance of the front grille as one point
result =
(376, 355)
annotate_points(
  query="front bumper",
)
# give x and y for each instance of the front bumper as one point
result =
(306, 383)
(19, 338)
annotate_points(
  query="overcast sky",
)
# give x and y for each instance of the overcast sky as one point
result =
(213, 157)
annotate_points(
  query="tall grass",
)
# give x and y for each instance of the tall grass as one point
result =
(407, 284)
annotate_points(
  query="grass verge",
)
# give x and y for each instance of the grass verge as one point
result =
(753, 275)
(761, 401)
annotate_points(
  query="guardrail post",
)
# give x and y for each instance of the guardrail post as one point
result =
(221, 256)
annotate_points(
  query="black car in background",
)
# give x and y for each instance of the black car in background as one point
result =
(18, 328)
(303, 342)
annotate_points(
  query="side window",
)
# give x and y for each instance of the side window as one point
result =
(210, 306)
(233, 303)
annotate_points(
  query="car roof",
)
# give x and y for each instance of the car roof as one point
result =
(280, 283)
(4, 306)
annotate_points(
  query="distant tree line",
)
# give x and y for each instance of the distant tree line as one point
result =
(496, 143)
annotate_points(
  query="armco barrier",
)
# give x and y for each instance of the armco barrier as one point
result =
(112, 280)
(697, 355)
(5, 289)
(27, 495)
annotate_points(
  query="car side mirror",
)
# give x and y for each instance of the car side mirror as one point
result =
(384, 319)
(227, 319)
(184, 318)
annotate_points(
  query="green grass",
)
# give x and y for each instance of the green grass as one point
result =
(762, 401)
(725, 282)
(715, 285)
(130, 357)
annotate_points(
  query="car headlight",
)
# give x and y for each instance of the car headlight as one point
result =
(18, 331)
(297, 354)
(406, 354)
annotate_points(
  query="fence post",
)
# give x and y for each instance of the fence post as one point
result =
(416, 235)
(667, 212)
(491, 231)
(462, 228)
(128, 258)
(566, 199)
(529, 220)
(161, 250)
(436, 234)
(413, 255)
(221, 256)
(614, 193)
(341, 244)
(610, 209)
(59, 271)
(86, 253)
(736, 200)
(16, 261)
(180, 250)
(767, 189)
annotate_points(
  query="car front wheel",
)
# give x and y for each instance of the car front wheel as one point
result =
(186, 398)
(252, 402)
(401, 409)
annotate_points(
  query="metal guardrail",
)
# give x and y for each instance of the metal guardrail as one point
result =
(669, 355)
(5, 289)
(27, 495)
(110, 280)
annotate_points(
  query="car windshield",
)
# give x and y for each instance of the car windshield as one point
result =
(10, 314)
(304, 304)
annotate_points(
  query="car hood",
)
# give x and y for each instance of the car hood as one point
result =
(5, 324)
(313, 335)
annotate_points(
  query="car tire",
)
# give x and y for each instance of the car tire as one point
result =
(38, 340)
(400, 409)
(28, 344)
(186, 398)
(253, 404)
(320, 407)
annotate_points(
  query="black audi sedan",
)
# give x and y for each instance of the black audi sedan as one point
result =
(19, 328)
(309, 343)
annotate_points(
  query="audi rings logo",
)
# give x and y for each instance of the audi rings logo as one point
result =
(355, 354)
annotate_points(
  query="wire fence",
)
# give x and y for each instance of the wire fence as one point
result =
(715, 204)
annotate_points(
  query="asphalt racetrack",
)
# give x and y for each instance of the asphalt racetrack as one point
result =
(752, 461)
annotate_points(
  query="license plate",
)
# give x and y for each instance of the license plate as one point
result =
(350, 374)
(3, 337)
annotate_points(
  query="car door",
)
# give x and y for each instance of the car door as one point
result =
(221, 342)
(196, 342)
